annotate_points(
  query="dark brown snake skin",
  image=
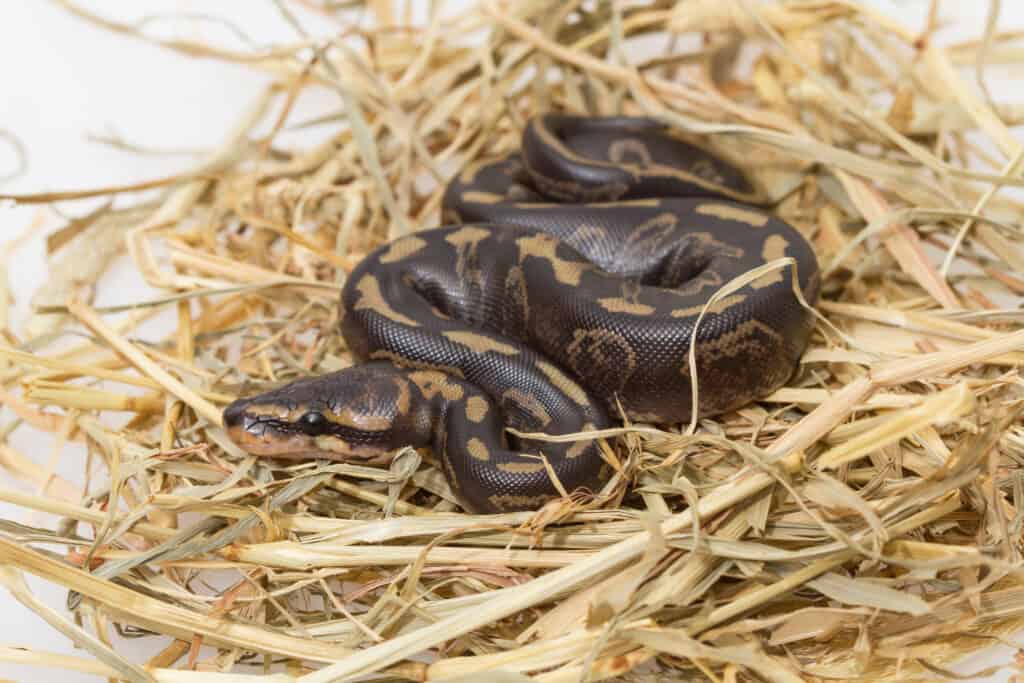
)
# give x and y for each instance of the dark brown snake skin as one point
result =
(567, 288)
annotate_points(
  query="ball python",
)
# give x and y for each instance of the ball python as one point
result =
(563, 292)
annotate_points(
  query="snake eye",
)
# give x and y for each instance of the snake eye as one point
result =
(313, 423)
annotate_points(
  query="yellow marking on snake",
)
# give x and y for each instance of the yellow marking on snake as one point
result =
(403, 399)
(442, 453)
(708, 278)
(564, 383)
(703, 172)
(467, 236)
(356, 419)
(347, 451)
(604, 352)
(645, 417)
(620, 149)
(371, 298)
(731, 344)
(481, 343)
(517, 294)
(449, 468)
(648, 237)
(554, 142)
(403, 362)
(478, 197)
(620, 305)
(626, 202)
(466, 241)
(332, 444)
(719, 306)
(536, 205)
(469, 173)
(432, 383)
(478, 449)
(576, 450)
(476, 409)
(513, 502)
(543, 246)
(774, 248)
(754, 219)
(521, 467)
(527, 403)
(269, 410)
(706, 241)
(402, 249)
(639, 203)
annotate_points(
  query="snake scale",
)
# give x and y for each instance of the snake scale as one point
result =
(563, 293)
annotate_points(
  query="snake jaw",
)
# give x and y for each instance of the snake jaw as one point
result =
(261, 438)
(267, 444)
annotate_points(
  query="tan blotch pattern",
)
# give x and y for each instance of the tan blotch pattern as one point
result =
(719, 306)
(580, 447)
(476, 409)
(359, 420)
(620, 305)
(521, 467)
(726, 212)
(402, 249)
(605, 353)
(518, 297)
(481, 343)
(478, 197)
(544, 246)
(733, 343)
(471, 170)
(527, 403)
(707, 278)
(630, 151)
(270, 410)
(564, 384)
(370, 298)
(478, 449)
(508, 501)
(577, 449)
(431, 383)
(466, 242)
(403, 362)
(466, 236)
(650, 236)
(402, 400)
(774, 248)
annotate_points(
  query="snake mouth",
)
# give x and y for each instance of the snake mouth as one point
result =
(257, 438)
(260, 440)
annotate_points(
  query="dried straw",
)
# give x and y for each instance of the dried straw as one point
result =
(863, 522)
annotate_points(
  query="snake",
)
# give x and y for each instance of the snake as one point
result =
(560, 297)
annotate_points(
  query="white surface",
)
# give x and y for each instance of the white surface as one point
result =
(64, 79)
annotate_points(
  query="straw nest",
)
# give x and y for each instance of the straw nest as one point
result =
(862, 522)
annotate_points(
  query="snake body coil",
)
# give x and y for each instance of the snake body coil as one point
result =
(567, 289)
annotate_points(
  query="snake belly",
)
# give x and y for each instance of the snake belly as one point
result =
(564, 294)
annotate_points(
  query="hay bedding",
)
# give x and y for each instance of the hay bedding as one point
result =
(863, 522)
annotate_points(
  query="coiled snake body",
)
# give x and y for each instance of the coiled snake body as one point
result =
(566, 291)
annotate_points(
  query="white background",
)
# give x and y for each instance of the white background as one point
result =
(64, 79)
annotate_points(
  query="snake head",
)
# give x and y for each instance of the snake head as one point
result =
(360, 413)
